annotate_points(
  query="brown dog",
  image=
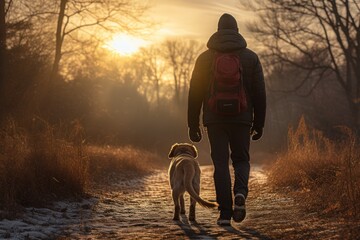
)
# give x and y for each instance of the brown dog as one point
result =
(184, 175)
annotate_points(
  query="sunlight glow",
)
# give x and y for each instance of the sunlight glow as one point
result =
(124, 44)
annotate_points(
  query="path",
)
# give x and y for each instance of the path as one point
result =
(142, 209)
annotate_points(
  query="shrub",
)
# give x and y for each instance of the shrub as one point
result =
(51, 162)
(325, 173)
(111, 163)
(39, 165)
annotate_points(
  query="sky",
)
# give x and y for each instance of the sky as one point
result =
(194, 18)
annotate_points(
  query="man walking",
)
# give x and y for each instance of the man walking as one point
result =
(228, 85)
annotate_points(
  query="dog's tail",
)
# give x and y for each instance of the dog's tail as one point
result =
(188, 180)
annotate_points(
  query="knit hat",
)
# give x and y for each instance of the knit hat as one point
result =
(227, 21)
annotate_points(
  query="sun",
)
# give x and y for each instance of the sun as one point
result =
(124, 44)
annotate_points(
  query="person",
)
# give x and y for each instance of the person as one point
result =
(229, 135)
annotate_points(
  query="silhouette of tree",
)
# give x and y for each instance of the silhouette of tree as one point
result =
(2, 48)
(181, 56)
(77, 18)
(154, 67)
(318, 36)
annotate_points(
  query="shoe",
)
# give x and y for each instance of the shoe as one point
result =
(223, 222)
(239, 208)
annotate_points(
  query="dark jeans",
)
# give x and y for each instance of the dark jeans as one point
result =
(237, 138)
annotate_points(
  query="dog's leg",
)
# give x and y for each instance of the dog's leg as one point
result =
(175, 196)
(182, 204)
(192, 209)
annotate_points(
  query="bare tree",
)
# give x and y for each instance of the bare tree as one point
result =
(181, 56)
(320, 37)
(154, 66)
(78, 18)
(2, 45)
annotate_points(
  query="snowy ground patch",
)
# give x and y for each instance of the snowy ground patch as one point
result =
(48, 223)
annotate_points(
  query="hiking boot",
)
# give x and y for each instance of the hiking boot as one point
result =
(239, 208)
(223, 222)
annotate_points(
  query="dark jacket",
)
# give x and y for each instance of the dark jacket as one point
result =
(226, 40)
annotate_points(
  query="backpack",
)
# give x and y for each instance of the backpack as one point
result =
(227, 94)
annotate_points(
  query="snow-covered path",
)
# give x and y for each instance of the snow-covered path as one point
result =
(142, 208)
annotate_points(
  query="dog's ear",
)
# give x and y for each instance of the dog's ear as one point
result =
(172, 151)
(194, 150)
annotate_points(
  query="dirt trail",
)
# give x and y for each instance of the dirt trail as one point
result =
(142, 209)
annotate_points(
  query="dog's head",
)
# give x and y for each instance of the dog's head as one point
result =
(179, 148)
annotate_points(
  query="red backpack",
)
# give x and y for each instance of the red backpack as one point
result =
(227, 94)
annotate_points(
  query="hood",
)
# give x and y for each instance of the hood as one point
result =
(227, 21)
(226, 40)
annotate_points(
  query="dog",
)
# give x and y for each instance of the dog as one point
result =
(184, 175)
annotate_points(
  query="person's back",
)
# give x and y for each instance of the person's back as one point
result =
(226, 131)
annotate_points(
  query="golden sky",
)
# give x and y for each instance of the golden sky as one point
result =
(194, 18)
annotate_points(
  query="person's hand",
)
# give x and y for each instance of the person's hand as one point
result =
(195, 134)
(256, 133)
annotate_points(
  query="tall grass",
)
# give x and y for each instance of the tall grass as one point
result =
(44, 162)
(109, 163)
(325, 173)
(40, 164)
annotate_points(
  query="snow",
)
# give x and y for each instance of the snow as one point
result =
(47, 223)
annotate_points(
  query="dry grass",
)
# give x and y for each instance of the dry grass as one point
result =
(325, 174)
(39, 165)
(108, 163)
(48, 163)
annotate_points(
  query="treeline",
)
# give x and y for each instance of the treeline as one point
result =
(310, 51)
(324, 107)
(57, 68)
(138, 99)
